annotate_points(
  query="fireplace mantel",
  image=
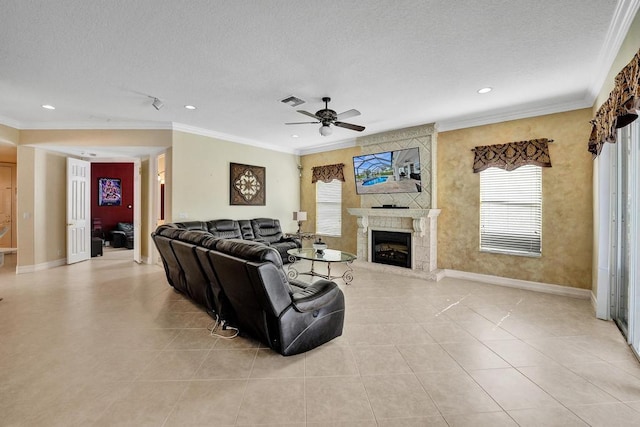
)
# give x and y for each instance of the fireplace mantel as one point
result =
(422, 223)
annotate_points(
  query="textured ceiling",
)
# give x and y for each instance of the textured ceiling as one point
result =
(400, 63)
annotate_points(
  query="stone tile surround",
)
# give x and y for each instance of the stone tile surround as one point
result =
(420, 219)
(421, 223)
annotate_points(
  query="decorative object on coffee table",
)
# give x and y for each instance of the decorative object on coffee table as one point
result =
(247, 185)
(319, 246)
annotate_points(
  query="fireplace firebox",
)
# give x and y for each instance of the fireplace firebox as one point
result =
(391, 248)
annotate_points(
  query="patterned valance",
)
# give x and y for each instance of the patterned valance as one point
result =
(328, 173)
(512, 155)
(620, 109)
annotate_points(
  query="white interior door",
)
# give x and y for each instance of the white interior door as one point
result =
(137, 211)
(78, 210)
(5, 207)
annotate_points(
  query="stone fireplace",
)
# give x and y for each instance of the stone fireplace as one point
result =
(420, 224)
(416, 215)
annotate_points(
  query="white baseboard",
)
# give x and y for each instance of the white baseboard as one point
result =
(434, 275)
(521, 284)
(37, 267)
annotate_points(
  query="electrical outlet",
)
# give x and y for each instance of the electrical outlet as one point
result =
(183, 215)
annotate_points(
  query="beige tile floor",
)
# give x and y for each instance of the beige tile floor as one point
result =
(107, 342)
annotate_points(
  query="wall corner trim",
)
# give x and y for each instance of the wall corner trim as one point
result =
(521, 284)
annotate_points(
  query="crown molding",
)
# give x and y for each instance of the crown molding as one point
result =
(623, 16)
(497, 117)
(10, 122)
(231, 138)
(92, 125)
(347, 143)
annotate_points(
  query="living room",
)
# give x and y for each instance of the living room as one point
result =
(198, 187)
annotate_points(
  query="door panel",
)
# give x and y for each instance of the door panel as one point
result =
(5, 207)
(78, 210)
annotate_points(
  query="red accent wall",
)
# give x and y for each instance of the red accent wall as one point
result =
(111, 215)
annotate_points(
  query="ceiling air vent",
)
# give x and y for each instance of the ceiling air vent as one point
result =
(292, 101)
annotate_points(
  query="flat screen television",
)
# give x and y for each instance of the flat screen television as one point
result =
(388, 172)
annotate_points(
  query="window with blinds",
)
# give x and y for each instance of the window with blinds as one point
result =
(511, 211)
(329, 208)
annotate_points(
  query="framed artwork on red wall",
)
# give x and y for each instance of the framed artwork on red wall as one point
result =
(109, 192)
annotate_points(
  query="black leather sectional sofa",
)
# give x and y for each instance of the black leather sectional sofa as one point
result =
(264, 230)
(242, 282)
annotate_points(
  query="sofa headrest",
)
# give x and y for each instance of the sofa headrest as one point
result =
(195, 237)
(210, 242)
(192, 225)
(169, 232)
(222, 225)
(250, 251)
(266, 222)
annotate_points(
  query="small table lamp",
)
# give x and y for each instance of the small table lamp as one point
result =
(299, 216)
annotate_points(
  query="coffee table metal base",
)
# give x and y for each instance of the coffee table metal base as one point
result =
(293, 273)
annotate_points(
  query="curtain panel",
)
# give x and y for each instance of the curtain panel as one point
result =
(619, 110)
(512, 155)
(328, 173)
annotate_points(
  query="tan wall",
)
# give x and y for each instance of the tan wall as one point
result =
(41, 207)
(199, 174)
(8, 153)
(26, 205)
(567, 201)
(347, 242)
(50, 207)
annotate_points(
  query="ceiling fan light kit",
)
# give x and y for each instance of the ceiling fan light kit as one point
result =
(325, 130)
(329, 117)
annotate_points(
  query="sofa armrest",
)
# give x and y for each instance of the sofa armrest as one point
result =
(315, 296)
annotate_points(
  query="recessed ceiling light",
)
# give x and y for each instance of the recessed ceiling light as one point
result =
(48, 107)
(294, 136)
(190, 107)
(485, 90)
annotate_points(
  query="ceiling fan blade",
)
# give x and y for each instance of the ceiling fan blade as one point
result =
(306, 113)
(301, 123)
(348, 113)
(349, 126)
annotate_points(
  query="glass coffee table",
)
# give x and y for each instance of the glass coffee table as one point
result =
(327, 256)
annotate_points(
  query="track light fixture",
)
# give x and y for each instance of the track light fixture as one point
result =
(157, 104)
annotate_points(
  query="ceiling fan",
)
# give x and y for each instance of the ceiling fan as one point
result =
(329, 117)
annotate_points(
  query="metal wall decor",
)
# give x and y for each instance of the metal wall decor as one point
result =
(247, 185)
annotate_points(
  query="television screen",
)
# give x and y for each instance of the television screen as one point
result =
(388, 172)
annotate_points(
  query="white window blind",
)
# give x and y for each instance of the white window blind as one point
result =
(511, 210)
(329, 208)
